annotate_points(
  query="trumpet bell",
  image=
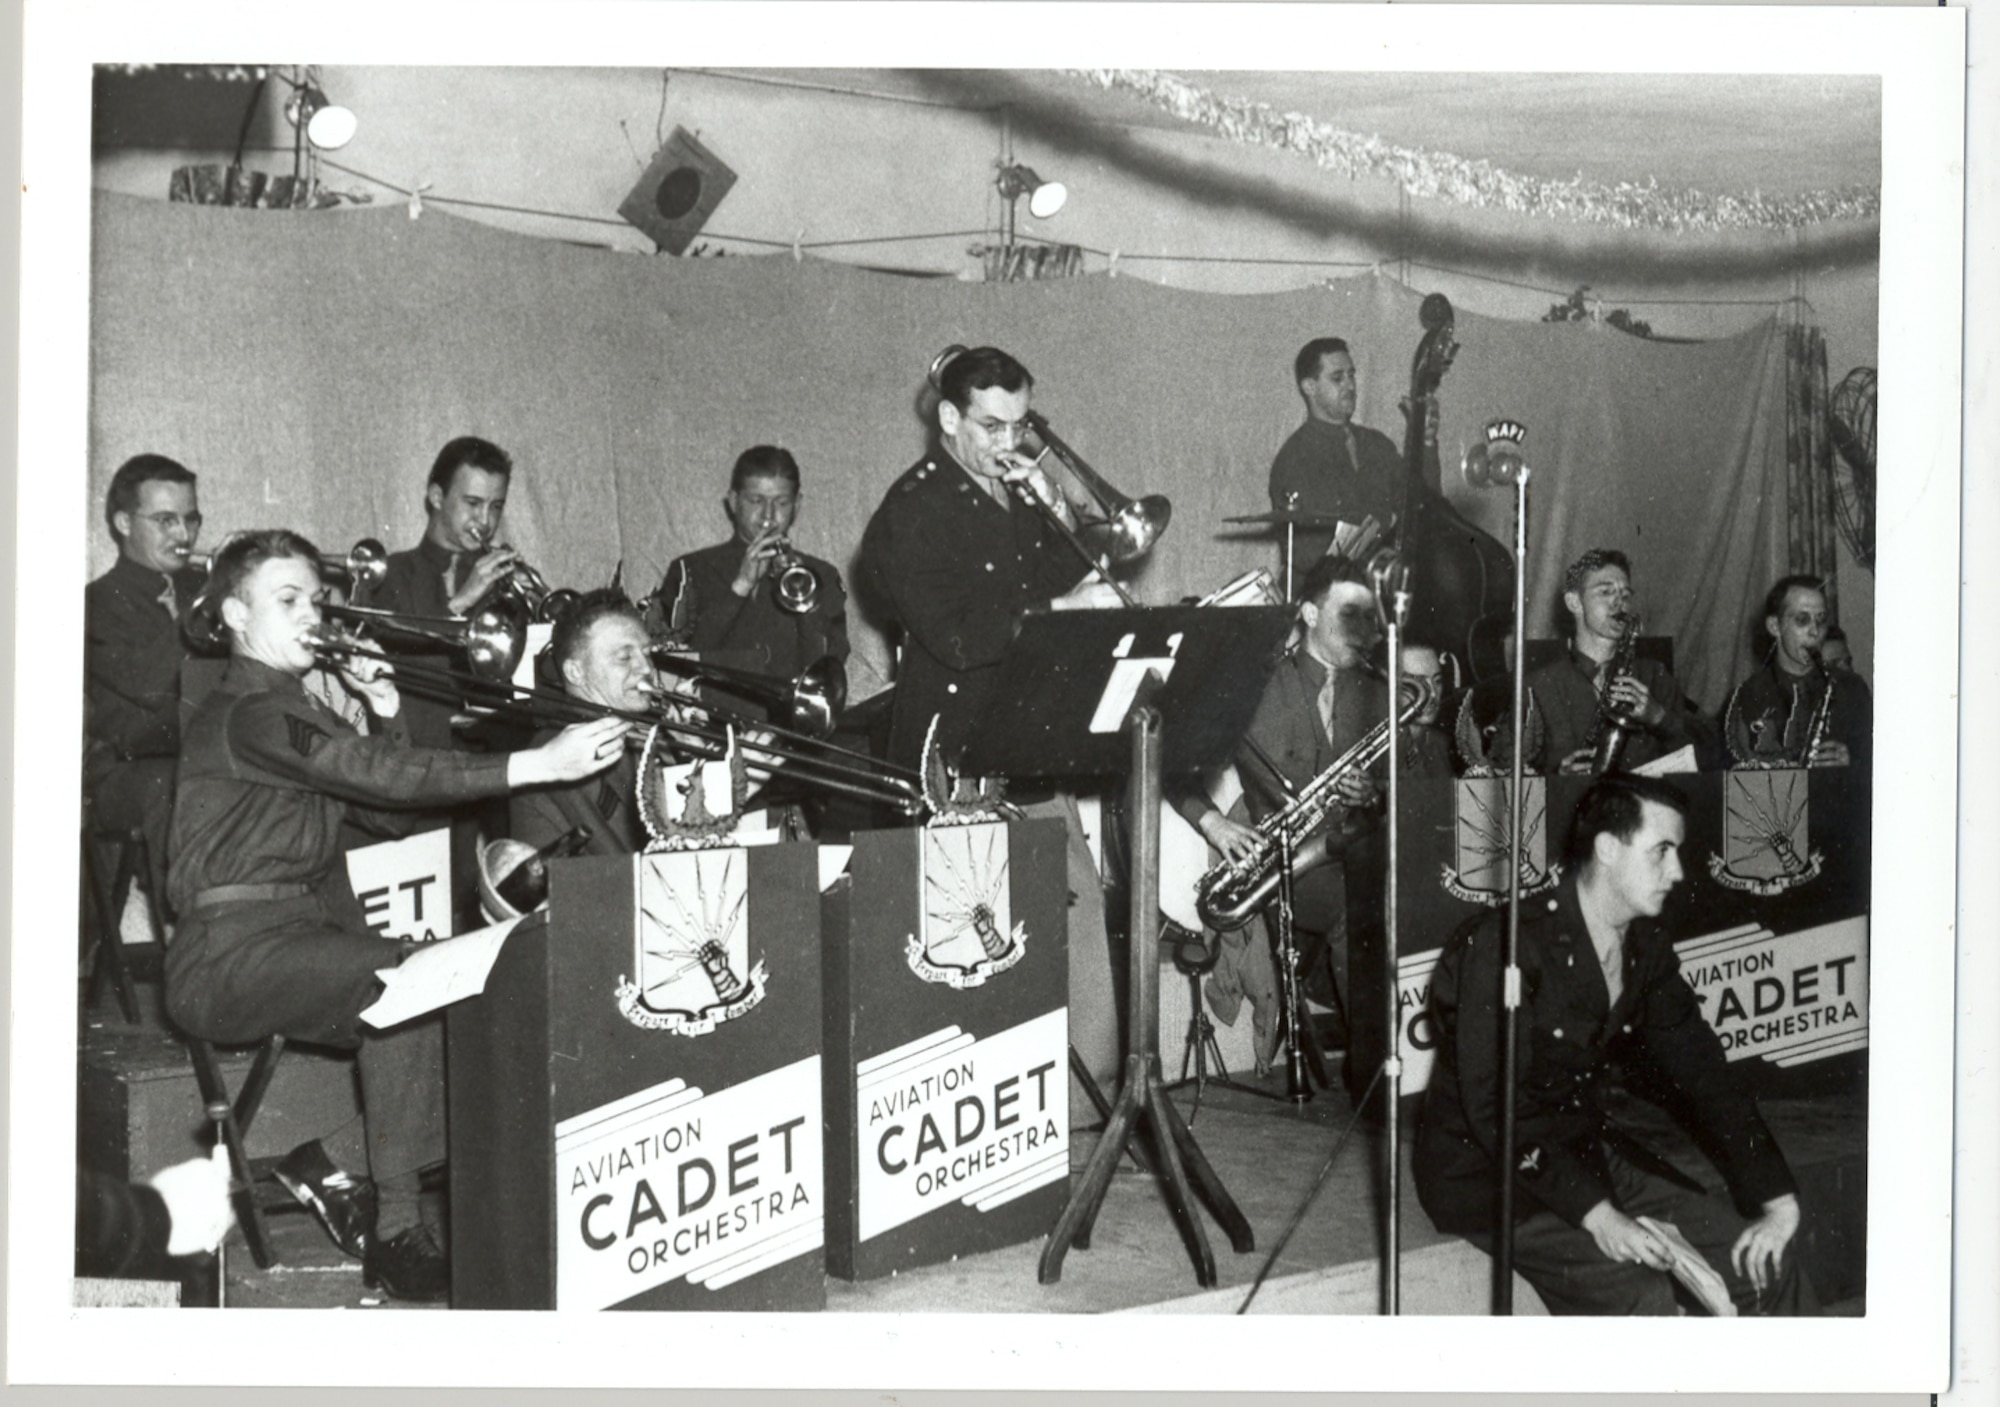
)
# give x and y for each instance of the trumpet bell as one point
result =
(368, 564)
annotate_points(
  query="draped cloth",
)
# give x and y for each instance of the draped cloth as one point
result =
(1809, 459)
(308, 365)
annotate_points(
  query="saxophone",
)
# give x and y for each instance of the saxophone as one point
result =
(1230, 894)
(1615, 722)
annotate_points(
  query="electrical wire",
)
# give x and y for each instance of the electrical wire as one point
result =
(1105, 254)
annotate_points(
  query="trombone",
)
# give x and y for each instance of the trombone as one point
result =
(1130, 526)
(808, 704)
(363, 567)
(494, 642)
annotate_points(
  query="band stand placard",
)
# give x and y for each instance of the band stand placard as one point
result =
(947, 1086)
(1139, 692)
(635, 1099)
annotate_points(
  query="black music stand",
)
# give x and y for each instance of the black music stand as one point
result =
(1084, 694)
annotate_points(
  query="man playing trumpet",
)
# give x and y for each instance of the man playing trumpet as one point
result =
(754, 602)
(267, 777)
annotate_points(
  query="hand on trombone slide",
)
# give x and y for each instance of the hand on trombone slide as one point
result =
(578, 751)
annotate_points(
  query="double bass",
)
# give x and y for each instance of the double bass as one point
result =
(1461, 577)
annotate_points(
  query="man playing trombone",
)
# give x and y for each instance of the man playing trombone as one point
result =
(267, 777)
(754, 602)
(956, 557)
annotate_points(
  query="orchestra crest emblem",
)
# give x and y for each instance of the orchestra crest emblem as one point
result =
(966, 931)
(953, 800)
(1482, 815)
(1765, 845)
(689, 806)
(691, 943)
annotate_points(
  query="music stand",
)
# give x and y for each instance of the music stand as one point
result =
(1085, 694)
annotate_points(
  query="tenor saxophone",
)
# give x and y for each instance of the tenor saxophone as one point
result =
(1822, 714)
(1616, 723)
(1230, 893)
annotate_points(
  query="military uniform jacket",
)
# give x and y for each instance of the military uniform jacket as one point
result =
(1563, 695)
(132, 661)
(267, 774)
(1568, 1033)
(754, 629)
(606, 805)
(1770, 715)
(415, 584)
(958, 571)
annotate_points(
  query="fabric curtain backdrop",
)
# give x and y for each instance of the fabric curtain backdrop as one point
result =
(308, 366)
(1809, 460)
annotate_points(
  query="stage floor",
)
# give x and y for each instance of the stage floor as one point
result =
(1270, 1155)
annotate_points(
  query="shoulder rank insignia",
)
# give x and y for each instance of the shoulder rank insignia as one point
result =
(306, 735)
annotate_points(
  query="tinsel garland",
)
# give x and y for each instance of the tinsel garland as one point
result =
(1441, 176)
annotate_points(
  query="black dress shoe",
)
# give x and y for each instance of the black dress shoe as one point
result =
(345, 1204)
(408, 1266)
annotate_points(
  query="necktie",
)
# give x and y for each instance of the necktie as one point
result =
(1326, 705)
(1347, 443)
(451, 577)
(1613, 962)
(168, 599)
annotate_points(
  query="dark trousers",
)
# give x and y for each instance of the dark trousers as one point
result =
(1572, 1276)
(239, 972)
(138, 795)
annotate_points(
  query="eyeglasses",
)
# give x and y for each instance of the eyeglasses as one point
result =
(167, 522)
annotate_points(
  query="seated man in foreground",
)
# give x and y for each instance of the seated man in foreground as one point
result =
(1599, 978)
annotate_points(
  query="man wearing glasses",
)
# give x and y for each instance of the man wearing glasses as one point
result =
(133, 651)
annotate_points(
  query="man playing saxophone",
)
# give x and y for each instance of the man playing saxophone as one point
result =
(1323, 699)
(1797, 711)
(1598, 684)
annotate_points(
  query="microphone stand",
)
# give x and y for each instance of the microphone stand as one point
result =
(1510, 999)
(1392, 1061)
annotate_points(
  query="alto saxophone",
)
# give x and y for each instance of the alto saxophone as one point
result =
(1616, 723)
(1230, 893)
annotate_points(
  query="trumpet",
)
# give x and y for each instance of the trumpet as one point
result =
(794, 585)
(1230, 894)
(544, 604)
(808, 704)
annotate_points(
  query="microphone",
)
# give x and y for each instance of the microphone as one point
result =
(1434, 312)
(1497, 459)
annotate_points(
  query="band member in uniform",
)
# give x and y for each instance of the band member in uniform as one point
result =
(1599, 981)
(1572, 694)
(1322, 700)
(1332, 464)
(725, 598)
(957, 559)
(267, 776)
(1782, 714)
(600, 650)
(1426, 749)
(456, 565)
(133, 651)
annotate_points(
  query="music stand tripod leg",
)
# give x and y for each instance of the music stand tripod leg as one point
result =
(1206, 1183)
(1180, 1196)
(1077, 1216)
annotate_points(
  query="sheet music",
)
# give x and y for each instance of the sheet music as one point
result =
(437, 975)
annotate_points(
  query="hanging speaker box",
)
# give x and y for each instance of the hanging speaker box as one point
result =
(679, 191)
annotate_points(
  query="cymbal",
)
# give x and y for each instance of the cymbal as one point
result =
(1296, 517)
